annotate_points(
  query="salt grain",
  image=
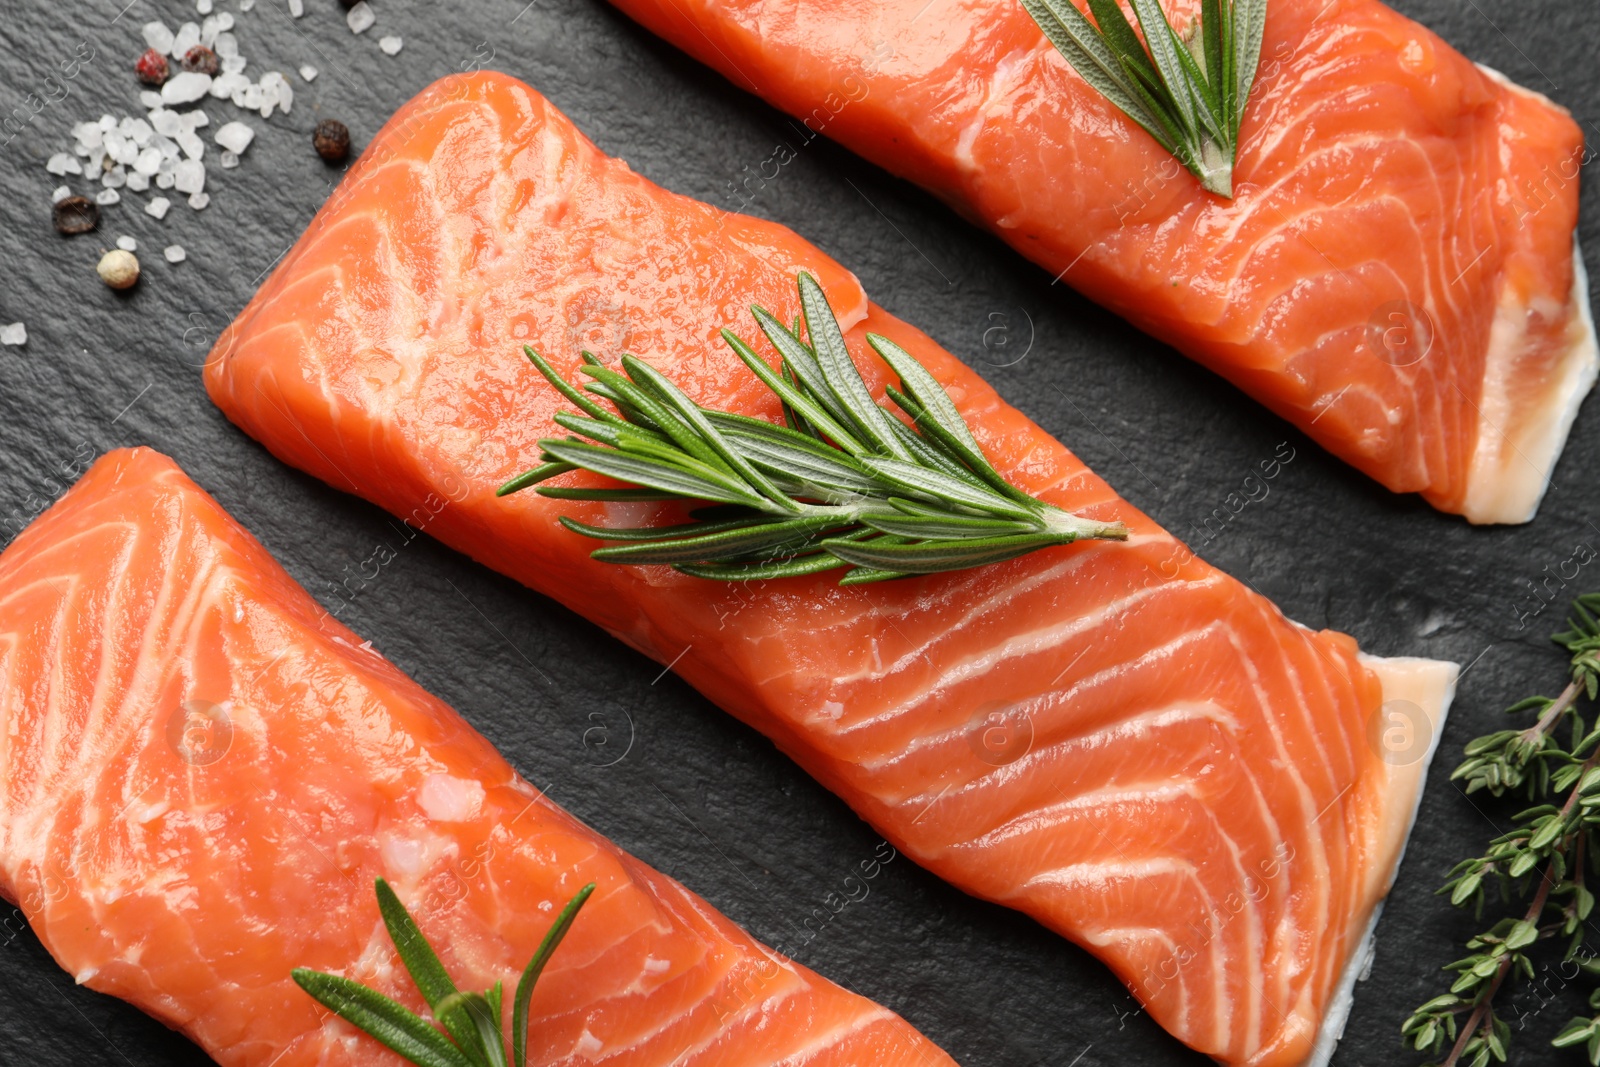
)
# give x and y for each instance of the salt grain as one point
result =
(208, 32)
(296, 8)
(165, 180)
(224, 22)
(203, 6)
(190, 176)
(61, 193)
(158, 207)
(149, 162)
(234, 64)
(115, 178)
(107, 197)
(229, 160)
(127, 244)
(246, 5)
(187, 37)
(196, 119)
(62, 164)
(192, 145)
(175, 253)
(185, 87)
(15, 334)
(138, 183)
(199, 201)
(157, 36)
(391, 45)
(308, 74)
(149, 99)
(227, 44)
(235, 137)
(360, 18)
(166, 123)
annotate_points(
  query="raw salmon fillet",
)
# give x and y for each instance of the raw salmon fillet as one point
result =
(202, 774)
(1117, 739)
(1395, 276)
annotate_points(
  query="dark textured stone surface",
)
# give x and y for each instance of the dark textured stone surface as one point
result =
(698, 795)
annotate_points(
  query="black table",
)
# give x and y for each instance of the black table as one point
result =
(698, 795)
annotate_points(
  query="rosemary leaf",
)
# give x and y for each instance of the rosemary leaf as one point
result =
(388, 1022)
(844, 484)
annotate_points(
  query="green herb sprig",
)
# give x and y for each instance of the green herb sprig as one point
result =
(1550, 854)
(843, 483)
(1190, 94)
(473, 1034)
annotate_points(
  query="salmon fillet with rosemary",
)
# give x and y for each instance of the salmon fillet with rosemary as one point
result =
(1116, 738)
(1395, 274)
(202, 774)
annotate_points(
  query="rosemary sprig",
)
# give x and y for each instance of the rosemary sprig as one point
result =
(843, 483)
(1550, 853)
(473, 1033)
(1190, 94)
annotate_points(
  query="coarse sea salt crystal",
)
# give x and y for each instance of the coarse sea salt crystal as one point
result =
(165, 180)
(149, 162)
(227, 44)
(234, 64)
(235, 137)
(187, 37)
(166, 123)
(127, 244)
(149, 99)
(115, 178)
(62, 164)
(61, 193)
(14, 334)
(192, 145)
(138, 183)
(185, 87)
(140, 132)
(199, 201)
(224, 21)
(107, 197)
(88, 133)
(296, 8)
(158, 207)
(391, 45)
(246, 5)
(229, 160)
(190, 175)
(196, 119)
(174, 253)
(308, 73)
(203, 6)
(208, 32)
(360, 17)
(157, 36)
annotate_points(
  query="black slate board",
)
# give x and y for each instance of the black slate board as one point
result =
(698, 795)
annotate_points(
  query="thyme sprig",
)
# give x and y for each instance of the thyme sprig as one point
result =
(1550, 854)
(1189, 93)
(473, 1034)
(843, 483)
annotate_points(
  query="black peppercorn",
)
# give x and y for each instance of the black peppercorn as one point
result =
(332, 140)
(76, 214)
